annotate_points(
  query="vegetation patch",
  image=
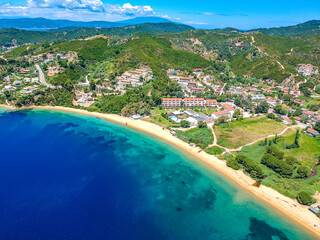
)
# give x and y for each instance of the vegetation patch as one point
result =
(202, 137)
(214, 150)
(288, 174)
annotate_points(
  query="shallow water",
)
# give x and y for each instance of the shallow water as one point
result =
(69, 176)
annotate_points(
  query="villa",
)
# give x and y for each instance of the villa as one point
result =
(312, 132)
(308, 114)
(229, 108)
(287, 121)
(217, 115)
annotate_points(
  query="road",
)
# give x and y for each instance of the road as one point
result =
(221, 92)
(42, 78)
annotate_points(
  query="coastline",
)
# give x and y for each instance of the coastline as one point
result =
(288, 207)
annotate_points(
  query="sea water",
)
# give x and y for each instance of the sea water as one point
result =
(70, 176)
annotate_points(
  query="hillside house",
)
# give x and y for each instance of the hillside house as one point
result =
(217, 115)
(229, 108)
(308, 114)
(312, 132)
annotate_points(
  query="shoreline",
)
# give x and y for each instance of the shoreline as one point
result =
(287, 206)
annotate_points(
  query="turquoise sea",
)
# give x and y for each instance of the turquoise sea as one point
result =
(69, 176)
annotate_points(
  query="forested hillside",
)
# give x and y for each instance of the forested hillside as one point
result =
(303, 29)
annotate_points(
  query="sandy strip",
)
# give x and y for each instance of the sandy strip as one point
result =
(287, 206)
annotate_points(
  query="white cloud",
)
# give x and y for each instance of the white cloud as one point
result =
(85, 10)
(195, 23)
(68, 4)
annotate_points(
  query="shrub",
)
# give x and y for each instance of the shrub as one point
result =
(271, 115)
(185, 124)
(291, 160)
(215, 150)
(250, 166)
(233, 164)
(305, 198)
(302, 172)
(164, 115)
(202, 124)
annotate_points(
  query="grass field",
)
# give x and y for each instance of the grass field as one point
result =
(202, 137)
(236, 134)
(312, 101)
(307, 155)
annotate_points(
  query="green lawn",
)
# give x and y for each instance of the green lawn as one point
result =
(236, 134)
(307, 155)
(202, 137)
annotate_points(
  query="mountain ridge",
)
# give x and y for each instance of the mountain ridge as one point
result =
(44, 23)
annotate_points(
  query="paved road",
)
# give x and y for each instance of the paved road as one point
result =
(42, 78)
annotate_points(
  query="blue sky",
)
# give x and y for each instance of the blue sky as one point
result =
(202, 13)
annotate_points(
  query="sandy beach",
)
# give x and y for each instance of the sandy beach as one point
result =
(287, 206)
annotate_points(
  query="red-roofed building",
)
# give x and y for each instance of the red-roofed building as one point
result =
(308, 114)
(312, 132)
(298, 103)
(171, 102)
(192, 84)
(287, 121)
(211, 103)
(297, 118)
(197, 90)
(228, 107)
(194, 102)
(197, 70)
(184, 79)
(220, 114)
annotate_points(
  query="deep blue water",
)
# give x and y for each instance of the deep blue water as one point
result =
(67, 176)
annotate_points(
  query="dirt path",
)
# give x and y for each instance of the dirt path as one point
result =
(267, 54)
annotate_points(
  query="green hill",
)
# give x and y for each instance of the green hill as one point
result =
(303, 29)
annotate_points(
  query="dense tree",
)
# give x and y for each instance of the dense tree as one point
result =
(262, 107)
(305, 198)
(233, 164)
(202, 124)
(277, 165)
(297, 113)
(279, 109)
(317, 126)
(250, 166)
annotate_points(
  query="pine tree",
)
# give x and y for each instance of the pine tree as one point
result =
(296, 140)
